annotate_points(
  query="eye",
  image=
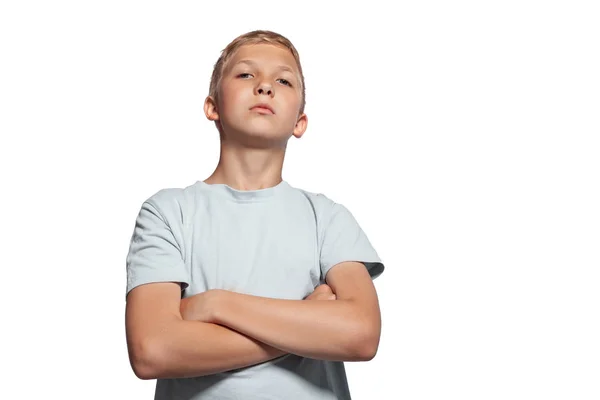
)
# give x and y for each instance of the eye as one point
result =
(285, 82)
(244, 75)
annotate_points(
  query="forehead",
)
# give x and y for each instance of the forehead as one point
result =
(263, 54)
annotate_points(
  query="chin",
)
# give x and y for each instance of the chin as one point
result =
(264, 129)
(258, 130)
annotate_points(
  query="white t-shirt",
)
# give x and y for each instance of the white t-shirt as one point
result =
(277, 242)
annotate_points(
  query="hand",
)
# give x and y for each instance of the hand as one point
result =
(322, 292)
(202, 306)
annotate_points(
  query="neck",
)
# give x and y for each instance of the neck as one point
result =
(244, 168)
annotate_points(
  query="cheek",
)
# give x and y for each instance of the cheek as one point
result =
(232, 95)
(293, 102)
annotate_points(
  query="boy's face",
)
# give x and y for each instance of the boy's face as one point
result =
(259, 96)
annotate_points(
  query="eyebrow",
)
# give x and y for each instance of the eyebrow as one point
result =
(253, 64)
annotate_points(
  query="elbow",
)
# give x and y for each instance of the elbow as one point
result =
(143, 370)
(144, 360)
(365, 348)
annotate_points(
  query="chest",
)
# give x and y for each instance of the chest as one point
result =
(262, 251)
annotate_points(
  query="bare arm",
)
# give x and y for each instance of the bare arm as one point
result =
(163, 345)
(347, 329)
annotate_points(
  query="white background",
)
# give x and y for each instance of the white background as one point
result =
(462, 135)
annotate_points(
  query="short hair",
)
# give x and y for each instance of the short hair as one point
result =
(254, 37)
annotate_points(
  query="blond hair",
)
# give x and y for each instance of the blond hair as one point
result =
(254, 37)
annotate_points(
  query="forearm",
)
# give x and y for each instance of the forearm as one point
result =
(193, 348)
(329, 330)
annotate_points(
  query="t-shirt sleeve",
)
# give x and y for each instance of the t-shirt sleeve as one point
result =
(154, 251)
(344, 240)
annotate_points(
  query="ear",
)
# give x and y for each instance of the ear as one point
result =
(300, 127)
(210, 109)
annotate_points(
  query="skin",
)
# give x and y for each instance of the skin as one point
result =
(253, 143)
(219, 330)
(162, 344)
(345, 329)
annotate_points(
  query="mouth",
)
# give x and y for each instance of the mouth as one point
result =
(262, 109)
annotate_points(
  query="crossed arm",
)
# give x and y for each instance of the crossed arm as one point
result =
(220, 330)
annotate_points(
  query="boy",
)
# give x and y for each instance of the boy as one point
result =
(221, 275)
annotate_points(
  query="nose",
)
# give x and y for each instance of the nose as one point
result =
(264, 88)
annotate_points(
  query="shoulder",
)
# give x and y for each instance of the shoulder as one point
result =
(173, 204)
(323, 205)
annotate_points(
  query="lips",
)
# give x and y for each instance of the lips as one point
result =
(263, 108)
